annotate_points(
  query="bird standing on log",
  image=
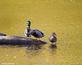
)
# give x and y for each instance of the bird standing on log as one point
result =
(35, 32)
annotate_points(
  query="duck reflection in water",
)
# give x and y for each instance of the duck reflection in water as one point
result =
(34, 47)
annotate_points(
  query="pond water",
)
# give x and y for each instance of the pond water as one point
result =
(61, 16)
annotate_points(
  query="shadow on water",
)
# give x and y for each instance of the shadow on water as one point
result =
(53, 49)
(30, 49)
(53, 46)
(33, 50)
(34, 47)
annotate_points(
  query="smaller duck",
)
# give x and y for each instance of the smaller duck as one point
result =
(53, 39)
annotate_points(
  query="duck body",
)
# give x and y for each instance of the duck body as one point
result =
(53, 38)
(37, 33)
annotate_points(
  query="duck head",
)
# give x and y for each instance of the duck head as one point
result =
(54, 34)
(28, 23)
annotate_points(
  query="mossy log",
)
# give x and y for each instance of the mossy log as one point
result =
(19, 40)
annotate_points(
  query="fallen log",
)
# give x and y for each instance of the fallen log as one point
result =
(18, 40)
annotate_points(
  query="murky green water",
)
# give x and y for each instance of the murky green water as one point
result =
(62, 16)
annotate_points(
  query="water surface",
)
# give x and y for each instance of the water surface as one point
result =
(61, 16)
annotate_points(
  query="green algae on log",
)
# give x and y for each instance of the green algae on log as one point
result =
(19, 40)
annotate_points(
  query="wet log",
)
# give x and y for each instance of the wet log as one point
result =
(19, 40)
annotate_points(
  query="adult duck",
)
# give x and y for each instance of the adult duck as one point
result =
(33, 32)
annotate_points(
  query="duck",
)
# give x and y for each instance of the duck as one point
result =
(53, 38)
(33, 32)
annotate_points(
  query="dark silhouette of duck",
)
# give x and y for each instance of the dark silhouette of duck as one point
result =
(35, 32)
(53, 40)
